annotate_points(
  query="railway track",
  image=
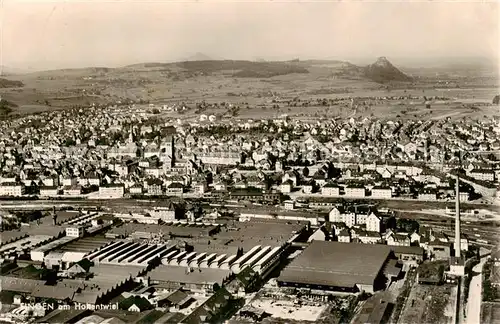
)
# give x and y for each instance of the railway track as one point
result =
(484, 238)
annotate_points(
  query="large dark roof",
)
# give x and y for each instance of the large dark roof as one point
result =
(337, 264)
(408, 249)
(19, 284)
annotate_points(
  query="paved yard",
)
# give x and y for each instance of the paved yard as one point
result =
(287, 310)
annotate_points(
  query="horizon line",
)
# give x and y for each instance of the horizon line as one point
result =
(414, 62)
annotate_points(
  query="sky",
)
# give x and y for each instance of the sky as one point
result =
(62, 34)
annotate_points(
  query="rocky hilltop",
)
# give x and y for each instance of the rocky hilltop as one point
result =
(383, 71)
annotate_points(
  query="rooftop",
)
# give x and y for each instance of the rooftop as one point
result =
(337, 264)
(178, 229)
(87, 244)
(374, 311)
(165, 273)
(55, 244)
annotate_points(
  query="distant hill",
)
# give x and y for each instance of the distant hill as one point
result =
(199, 57)
(244, 69)
(4, 83)
(200, 64)
(6, 71)
(383, 71)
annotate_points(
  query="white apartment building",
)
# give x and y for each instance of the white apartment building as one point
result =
(163, 213)
(355, 192)
(483, 175)
(68, 182)
(112, 191)
(330, 190)
(335, 215)
(49, 191)
(12, 189)
(373, 223)
(74, 231)
(381, 193)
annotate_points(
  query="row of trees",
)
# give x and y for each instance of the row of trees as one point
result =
(490, 293)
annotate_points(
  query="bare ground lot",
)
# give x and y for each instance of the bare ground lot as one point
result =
(428, 304)
(490, 313)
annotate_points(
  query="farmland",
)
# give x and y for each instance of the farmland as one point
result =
(266, 89)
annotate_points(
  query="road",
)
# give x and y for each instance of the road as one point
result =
(450, 311)
(475, 296)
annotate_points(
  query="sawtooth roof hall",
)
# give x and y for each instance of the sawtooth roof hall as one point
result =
(335, 266)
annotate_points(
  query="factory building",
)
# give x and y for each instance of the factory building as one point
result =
(335, 266)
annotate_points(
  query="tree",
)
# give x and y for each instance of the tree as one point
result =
(391, 223)
(407, 225)
(69, 142)
(5, 108)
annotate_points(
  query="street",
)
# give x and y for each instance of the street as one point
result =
(474, 300)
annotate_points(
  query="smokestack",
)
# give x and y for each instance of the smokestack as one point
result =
(457, 218)
(426, 148)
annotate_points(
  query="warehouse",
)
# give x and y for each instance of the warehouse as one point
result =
(246, 235)
(201, 280)
(409, 254)
(23, 245)
(130, 253)
(39, 253)
(335, 266)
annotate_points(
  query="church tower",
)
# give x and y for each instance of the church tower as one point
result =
(167, 151)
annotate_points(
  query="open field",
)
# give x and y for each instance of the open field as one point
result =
(428, 304)
(263, 90)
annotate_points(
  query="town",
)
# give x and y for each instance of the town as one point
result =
(232, 162)
(126, 212)
(129, 152)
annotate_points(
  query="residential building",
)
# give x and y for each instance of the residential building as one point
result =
(49, 191)
(75, 190)
(356, 191)
(344, 236)
(381, 192)
(331, 190)
(373, 223)
(12, 189)
(112, 191)
(76, 231)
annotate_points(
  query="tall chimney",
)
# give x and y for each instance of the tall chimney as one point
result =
(426, 148)
(457, 218)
